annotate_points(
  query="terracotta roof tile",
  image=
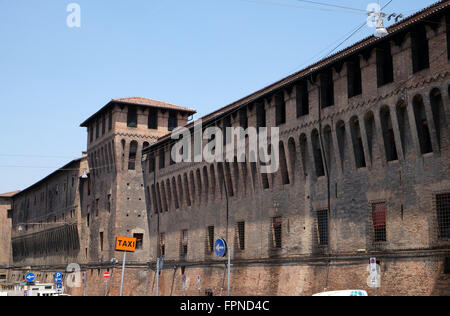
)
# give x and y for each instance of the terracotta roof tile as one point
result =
(9, 194)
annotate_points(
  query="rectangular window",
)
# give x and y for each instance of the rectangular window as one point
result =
(9, 214)
(354, 82)
(419, 47)
(91, 134)
(241, 235)
(280, 105)
(103, 125)
(151, 164)
(101, 241)
(260, 115)
(447, 265)
(327, 88)
(97, 129)
(109, 203)
(211, 241)
(302, 99)
(322, 227)
(443, 214)
(385, 67)
(173, 121)
(243, 118)
(132, 116)
(162, 159)
(139, 240)
(277, 232)
(153, 119)
(379, 222)
(184, 244)
(447, 23)
(110, 121)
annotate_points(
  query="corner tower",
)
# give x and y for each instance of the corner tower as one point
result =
(114, 203)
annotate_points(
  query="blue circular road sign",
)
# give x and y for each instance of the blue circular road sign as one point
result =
(220, 248)
(30, 277)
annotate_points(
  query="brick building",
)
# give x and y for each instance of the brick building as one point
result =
(364, 172)
(5, 234)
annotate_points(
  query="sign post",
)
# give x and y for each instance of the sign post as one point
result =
(106, 275)
(126, 245)
(374, 278)
(221, 249)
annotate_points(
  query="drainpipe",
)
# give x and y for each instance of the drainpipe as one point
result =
(324, 158)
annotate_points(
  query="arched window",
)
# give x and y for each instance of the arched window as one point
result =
(328, 146)
(206, 183)
(132, 155)
(358, 147)
(341, 135)
(304, 153)
(388, 134)
(404, 126)
(175, 193)
(212, 174)
(369, 123)
(318, 160)
(199, 185)
(192, 186)
(292, 155)
(180, 190)
(423, 130)
(437, 108)
(283, 165)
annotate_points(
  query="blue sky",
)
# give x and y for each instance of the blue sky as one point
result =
(203, 54)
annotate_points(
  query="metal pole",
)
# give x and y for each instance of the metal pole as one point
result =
(123, 272)
(157, 276)
(229, 270)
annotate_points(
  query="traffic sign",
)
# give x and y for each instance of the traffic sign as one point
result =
(184, 278)
(30, 277)
(220, 248)
(126, 244)
(107, 275)
(59, 286)
(58, 277)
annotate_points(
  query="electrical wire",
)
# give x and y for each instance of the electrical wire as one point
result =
(326, 7)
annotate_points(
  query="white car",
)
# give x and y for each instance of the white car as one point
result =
(344, 293)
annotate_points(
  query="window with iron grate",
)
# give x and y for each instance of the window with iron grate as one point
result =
(443, 214)
(210, 244)
(322, 227)
(379, 222)
(184, 244)
(241, 235)
(139, 240)
(277, 232)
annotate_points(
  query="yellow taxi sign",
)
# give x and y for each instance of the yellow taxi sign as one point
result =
(126, 244)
